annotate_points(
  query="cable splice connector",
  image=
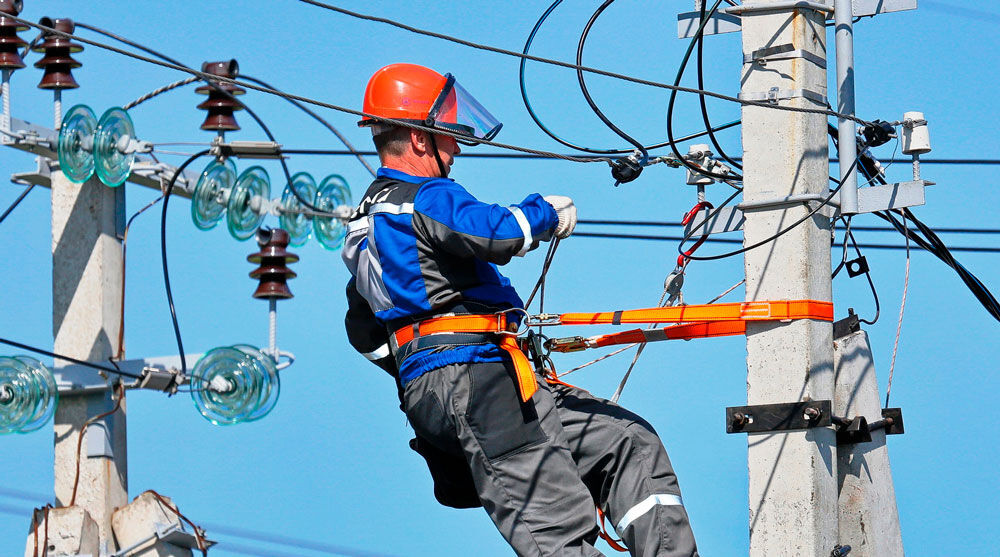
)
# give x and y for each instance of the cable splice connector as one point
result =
(219, 105)
(10, 43)
(626, 169)
(57, 62)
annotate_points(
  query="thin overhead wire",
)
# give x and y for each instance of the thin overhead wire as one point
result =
(855, 228)
(17, 201)
(160, 91)
(569, 65)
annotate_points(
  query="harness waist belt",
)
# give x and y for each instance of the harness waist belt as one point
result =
(454, 324)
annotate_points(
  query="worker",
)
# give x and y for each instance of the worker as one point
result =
(427, 303)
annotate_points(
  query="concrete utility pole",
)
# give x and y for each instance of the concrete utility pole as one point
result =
(793, 475)
(87, 225)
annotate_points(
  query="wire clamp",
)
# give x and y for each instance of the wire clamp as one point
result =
(246, 149)
(164, 380)
(774, 94)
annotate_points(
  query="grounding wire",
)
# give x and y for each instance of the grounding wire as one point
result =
(163, 254)
(559, 63)
(583, 83)
(343, 139)
(871, 283)
(673, 98)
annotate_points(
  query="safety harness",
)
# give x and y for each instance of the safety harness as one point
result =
(694, 321)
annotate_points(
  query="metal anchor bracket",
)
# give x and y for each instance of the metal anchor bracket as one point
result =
(782, 52)
(774, 94)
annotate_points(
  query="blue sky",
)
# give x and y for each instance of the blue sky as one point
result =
(330, 464)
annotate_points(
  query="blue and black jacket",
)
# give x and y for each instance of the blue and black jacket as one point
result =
(420, 247)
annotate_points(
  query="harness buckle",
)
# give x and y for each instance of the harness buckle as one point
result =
(567, 344)
(543, 319)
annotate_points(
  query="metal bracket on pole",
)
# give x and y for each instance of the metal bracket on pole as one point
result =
(40, 177)
(891, 196)
(727, 20)
(727, 219)
(857, 429)
(778, 417)
(173, 534)
(782, 52)
(159, 374)
(774, 94)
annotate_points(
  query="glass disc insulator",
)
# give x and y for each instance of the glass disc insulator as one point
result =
(245, 209)
(333, 192)
(112, 158)
(75, 144)
(226, 386)
(292, 219)
(208, 201)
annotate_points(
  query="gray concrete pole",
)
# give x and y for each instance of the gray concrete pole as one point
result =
(793, 476)
(869, 521)
(846, 136)
(87, 221)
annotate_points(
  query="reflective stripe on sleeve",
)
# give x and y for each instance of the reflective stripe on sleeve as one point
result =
(522, 221)
(645, 506)
(378, 353)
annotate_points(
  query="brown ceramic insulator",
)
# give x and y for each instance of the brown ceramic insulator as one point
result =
(10, 48)
(11, 7)
(51, 40)
(57, 62)
(273, 258)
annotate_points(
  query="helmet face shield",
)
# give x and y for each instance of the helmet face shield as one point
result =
(458, 111)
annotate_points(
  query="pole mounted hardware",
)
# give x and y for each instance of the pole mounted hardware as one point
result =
(770, 418)
(219, 105)
(847, 325)
(787, 416)
(626, 169)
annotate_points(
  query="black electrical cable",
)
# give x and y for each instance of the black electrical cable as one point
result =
(854, 227)
(673, 99)
(704, 105)
(538, 121)
(163, 254)
(343, 139)
(17, 201)
(315, 102)
(871, 283)
(843, 255)
(583, 83)
(763, 104)
(68, 359)
(930, 241)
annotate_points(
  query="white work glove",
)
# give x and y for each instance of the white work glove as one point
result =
(565, 211)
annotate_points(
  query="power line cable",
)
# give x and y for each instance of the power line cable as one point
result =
(734, 241)
(854, 227)
(44, 352)
(673, 98)
(343, 139)
(163, 255)
(640, 81)
(583, 82)
(17, 201)
(160, 91)
(701, 98)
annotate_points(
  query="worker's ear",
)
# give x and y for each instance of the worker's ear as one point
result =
(419, 142)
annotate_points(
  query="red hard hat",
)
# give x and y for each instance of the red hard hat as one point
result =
(420, 95)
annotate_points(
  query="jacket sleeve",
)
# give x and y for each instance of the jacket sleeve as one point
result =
(451, 219)
(366, 333)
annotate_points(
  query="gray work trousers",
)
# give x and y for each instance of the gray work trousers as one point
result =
(541, 467)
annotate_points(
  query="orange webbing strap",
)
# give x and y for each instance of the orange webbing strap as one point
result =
(676, 332)
(526, 382)
(603, 533)
(743, 311)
